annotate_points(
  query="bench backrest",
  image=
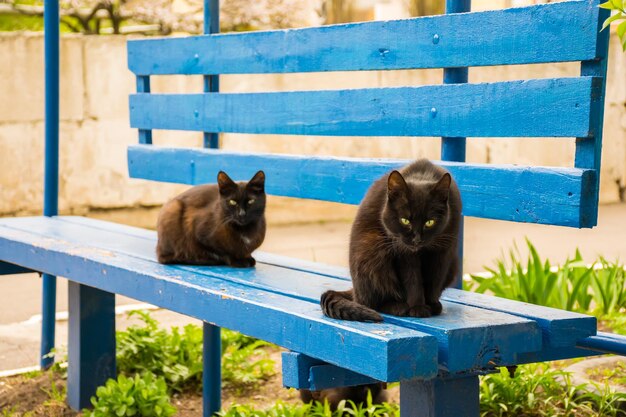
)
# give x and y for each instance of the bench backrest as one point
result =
(555, 107)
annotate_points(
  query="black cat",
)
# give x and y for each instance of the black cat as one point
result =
(218, 224)
(403, 246)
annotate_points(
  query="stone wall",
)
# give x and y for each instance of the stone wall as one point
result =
(95, 130)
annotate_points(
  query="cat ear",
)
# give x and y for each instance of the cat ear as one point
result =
(257, 183)
(225, 184)
(396, 186)
(443, 186)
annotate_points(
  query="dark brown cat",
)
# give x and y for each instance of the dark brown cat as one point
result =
(217, 224)
(357, 394)
(403, 246)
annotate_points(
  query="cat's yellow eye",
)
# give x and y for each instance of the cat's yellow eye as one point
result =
(251, 201)
(404, 221)
(429, 223)
(232, 202)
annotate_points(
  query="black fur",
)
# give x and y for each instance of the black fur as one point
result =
(401, 268)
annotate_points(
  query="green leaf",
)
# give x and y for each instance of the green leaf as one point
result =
(610, 20)
(621, 29)
(607, 5)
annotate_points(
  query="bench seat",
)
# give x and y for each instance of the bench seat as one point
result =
(278, 301)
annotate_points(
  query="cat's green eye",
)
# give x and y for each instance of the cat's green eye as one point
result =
(251, 201)
(232, 202)
(404, 221)
(429, 223)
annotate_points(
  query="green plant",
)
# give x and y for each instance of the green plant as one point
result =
(177, 356)
(315, 409)
(55, 395)
(538, 390)
(575, 286)
(619, 6)
(142, 396)
(608, 287)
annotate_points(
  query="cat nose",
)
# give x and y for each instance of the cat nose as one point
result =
(241, 213)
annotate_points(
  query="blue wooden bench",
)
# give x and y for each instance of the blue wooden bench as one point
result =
(438, 359)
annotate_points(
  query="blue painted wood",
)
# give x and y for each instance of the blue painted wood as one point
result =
(211, 82)
(468, 337)
(393, 352)
(51, 167)
(453, 148)
(589, 148)
(10, 269)
(211, 370)
(524, 35)
(303, 372)
(560, 328)
(517, 193)
(91, 342)
(557, 107)
(143, 86)
(452, 397)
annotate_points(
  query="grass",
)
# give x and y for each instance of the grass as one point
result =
(616, 375)
(315, 409)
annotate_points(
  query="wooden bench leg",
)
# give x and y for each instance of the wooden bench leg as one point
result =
(440, 398)
(91, 345)
(212, 370)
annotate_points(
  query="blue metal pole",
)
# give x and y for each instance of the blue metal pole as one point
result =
(211, 370)
(212, 348)
(453, 148)
(51, 170)
(604, 342)
(211, 82)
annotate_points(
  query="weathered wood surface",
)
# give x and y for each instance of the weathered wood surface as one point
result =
(562, 196)
(544, 33)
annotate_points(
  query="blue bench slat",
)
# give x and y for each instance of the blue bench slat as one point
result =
(480, 336)
(10, 269)
(557, 107)
(561, 329)
(382, 351)
(301, 371)
(516, 36)
(560, 196)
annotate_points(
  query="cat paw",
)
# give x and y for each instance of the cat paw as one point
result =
(242, 263)
(435, 308)
(420, 311)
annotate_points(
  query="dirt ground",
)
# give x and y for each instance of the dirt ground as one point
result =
(33, 395)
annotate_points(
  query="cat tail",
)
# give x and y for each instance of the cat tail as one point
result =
(340, 305)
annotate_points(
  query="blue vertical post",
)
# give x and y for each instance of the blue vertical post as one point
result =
(91, 342)
(211, 370)
(212, 81)
(143, 86)
(589, 149)
(453, 148)
(212, 345)
(440, 397)
(51, 167)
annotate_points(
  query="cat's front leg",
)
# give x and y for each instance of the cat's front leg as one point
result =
(410, 272)
(439, 273)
